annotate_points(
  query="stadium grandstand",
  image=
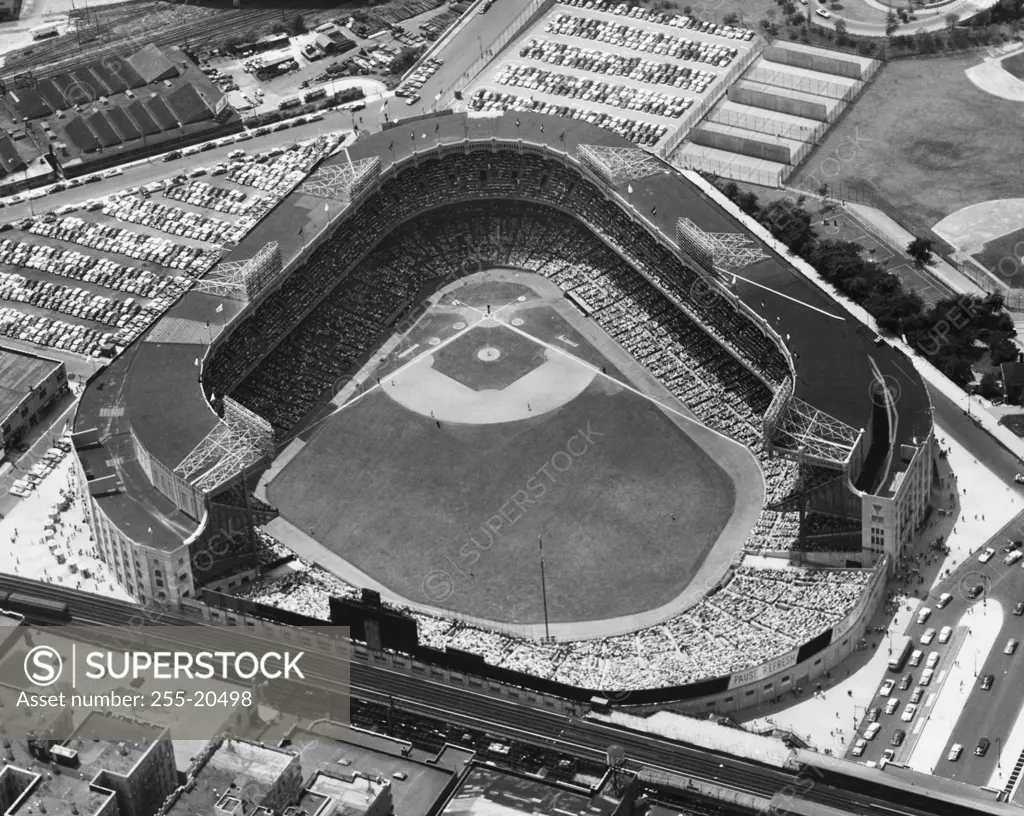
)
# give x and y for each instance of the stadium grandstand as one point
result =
(104, 112)
(665, 266)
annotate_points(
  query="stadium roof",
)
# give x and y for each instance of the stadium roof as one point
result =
(165, 407)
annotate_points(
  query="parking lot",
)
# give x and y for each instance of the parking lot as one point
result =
(632, 71)
(88, 275)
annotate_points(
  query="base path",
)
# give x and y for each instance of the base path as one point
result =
(992, 78)
(972, 227)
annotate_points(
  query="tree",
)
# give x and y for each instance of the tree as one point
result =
(920, 249)
(892, 23)
(731, 18)
(989, 387)
(841, 30)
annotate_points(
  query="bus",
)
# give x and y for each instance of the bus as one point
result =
(312, 96)
(900, 651)
(44, 31)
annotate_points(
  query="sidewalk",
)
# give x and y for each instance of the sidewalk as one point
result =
(829, 720)
(935, 725)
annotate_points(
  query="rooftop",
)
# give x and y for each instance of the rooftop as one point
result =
(491, 792)
(20, 374)
(134, 740)
(235, 765)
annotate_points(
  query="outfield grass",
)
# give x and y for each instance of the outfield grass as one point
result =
(927, 140)
(625, 527)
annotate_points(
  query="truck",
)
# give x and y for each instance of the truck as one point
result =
(902, 645)
(44, 31)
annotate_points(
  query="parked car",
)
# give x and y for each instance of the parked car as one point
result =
(986, 556)
(1018, 610)
(892, 705)
(886, 688)
(916, 657)
(872, 731)
(917, 695)
(987, 681)
(926, 676)
(906, 682)
(928, 637)
(860, 744)
(908, 712)
(955, 751)
(923, 614)
(933, 660)
(1011, 646)
(873, 713)
(982, 748)
(947, 631)
(898, 737)
(822, 13)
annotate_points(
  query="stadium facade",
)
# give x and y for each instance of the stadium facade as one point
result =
(167, 454)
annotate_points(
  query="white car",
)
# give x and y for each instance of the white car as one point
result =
(861, 744)
(1011, 646)
(1013, 557)
(20, 491)
(822, 13)
(872, 730)
(1019, 478)
(887, 688)
(986, 556)
(916, 657)
(928, 637)
(955, 751)
(892, 705)
(945, 634)
(926, 676)
(908, 712)
(933, 660)
(112, 172)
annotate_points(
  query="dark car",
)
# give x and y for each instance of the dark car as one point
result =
(975, 591)
(898, 737)
(907, 681)
(982, 748)
(987, 681)
(874, 713)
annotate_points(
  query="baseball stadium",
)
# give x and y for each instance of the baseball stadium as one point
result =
(512, 397)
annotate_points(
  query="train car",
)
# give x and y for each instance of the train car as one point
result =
(35, 607)
(44, 31)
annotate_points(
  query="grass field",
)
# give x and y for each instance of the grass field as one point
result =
(1015, 65)
(926, 139)
(400, 495)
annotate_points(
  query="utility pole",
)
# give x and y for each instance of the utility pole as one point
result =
(544, 590)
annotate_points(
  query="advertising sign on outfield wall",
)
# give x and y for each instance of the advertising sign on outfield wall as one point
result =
(743, 678)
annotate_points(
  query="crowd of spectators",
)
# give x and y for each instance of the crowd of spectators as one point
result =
(645, 134)
(591, 90)
(641, 39)
(603, 62)
(761, 613)
(193, 261)
(336, 308)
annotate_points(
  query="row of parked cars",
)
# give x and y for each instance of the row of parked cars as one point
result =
(418, 78)
(74, 265)
(616, 95)
(654, 72)
(76, 301)
(173, 220)
(28, 481)
(53, 332)
(194, 261)
(641, 39)
(644, 134)
(662, 18)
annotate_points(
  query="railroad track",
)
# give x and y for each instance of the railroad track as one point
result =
(505, 719)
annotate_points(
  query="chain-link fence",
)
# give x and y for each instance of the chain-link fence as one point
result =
(490, 52)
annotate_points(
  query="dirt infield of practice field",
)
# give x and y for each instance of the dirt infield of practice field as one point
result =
(502, 419)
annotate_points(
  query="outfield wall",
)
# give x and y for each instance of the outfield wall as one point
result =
(814, 62)
(745, 145)
(745, 95)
